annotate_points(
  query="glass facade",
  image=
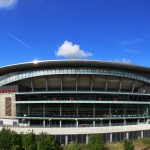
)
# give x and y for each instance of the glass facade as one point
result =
(88, 109)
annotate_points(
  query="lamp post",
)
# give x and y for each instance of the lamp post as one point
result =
(23, 120)
(49, 122)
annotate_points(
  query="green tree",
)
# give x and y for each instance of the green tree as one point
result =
(128, 145)
(29, 141)
(46, 142)
(73, 146)
(96, 142)
(9, 139)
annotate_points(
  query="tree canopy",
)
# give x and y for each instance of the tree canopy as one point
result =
(96, 142)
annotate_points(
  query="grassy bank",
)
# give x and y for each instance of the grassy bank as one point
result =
(141, 144)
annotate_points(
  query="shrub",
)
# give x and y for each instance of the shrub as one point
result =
(8, 139)
(46, 142)
(73, 146)
(96, 142)
(128, 145)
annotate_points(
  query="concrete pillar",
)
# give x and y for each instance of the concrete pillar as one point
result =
(43, 110)
(110, 138)
(32, 86)
(77, 110)
(87, 139)
(61, 84)
(60, 123)
(124, 122)
(93, 110)
(28, 123)
(106, 86)
(141, 134)
(127, 135)
(92, 83)
(60, 110)
(66, 139)
(77, 83)
(28, 110)
(120, 85)
(93, 123)
(138, 121)
(77, 123)
(109, 122)
(133, 87)
(43, 123)
(46, 84)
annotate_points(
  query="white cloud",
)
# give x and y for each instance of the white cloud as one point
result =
(70, 51)
(126, 42)
(124, 61)
(7, 3)
(129, 50)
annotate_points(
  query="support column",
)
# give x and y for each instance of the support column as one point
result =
(110, 138)
(91, 83)
(28, 123)
(61, 84)
(60, 123)
(77, 83)
(141, 134)
(93, 123)
(28, 110)
(110, 115)
(146, 111)
(43, 110)
(66, 139)
(138, 110)
(133, 87)
(93, 110)
(32, 85)
(43, 123)
(46, 84)
(60, 110)
(125, 110)
(77, 110)
(109, 122)
(127, 135)
(49, 123)
(120, 85)
(87, 139)
(77, 123)
(106, 86)
(124, 122)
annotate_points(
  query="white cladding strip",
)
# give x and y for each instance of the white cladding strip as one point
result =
(80, 101)
(81, 130)
(16, 76)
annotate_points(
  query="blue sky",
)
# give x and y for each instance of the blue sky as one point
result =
(108, 30)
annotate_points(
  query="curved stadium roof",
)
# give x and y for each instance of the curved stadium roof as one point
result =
(73, 63)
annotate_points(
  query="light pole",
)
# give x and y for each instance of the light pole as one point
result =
(23, 120)
(49, 122)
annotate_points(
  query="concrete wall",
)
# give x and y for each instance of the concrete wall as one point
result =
(2, 104)
(8, 122)
(81, 135)
(82, 130)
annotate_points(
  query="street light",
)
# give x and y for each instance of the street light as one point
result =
(23, 120)
(49, 122)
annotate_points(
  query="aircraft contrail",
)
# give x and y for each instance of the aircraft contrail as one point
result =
(17, 39)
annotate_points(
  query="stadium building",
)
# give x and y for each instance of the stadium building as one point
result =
(75, 98)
